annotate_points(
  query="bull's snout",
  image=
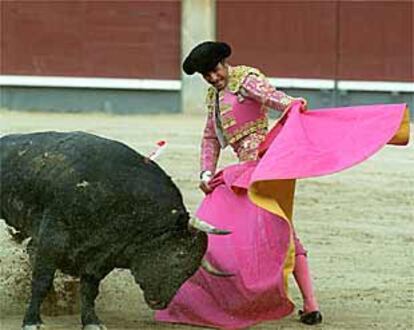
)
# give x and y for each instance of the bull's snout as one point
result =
(156, 304)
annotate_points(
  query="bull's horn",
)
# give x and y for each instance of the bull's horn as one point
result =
(214, 271)
(207, 228)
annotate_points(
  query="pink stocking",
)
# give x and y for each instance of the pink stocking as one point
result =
(304, 280)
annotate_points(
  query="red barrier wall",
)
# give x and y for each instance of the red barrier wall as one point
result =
(128, 39)
(362, 40)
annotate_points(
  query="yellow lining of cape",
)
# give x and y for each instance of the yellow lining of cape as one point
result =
(402, 135)
(276, 196)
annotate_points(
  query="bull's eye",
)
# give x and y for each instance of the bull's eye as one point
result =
(174, 211)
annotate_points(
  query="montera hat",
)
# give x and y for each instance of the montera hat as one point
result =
(205, 56)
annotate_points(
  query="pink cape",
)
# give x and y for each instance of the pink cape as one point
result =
(254, 200)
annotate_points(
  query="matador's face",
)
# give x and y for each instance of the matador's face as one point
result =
(218, 77)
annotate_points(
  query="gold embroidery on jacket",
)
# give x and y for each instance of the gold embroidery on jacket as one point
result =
(210, 108)
(246, 129)
(221, 95)
(247, 147)
(286, 100)
(224, 108)
(237, 76)
(228, 121)
(210, 99)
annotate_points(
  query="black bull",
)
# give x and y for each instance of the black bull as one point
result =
(90, 205)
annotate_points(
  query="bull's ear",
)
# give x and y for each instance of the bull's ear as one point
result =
(206, 227)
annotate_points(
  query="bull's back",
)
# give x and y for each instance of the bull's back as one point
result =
(76, 175)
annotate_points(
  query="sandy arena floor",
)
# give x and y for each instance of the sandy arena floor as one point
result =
(357, 225)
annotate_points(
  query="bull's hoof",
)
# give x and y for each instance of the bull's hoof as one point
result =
(33, 327)
(94, 327)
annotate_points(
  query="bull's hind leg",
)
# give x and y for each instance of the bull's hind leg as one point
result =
(42, 280)
(89, 292)
(44, 253)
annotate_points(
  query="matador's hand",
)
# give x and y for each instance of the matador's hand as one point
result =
(304, 106)
(205, 187)
(205, 177)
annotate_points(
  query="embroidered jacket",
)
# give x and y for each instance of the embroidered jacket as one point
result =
(237, 115)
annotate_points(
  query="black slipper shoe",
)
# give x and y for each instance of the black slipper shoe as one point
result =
(310, 318)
